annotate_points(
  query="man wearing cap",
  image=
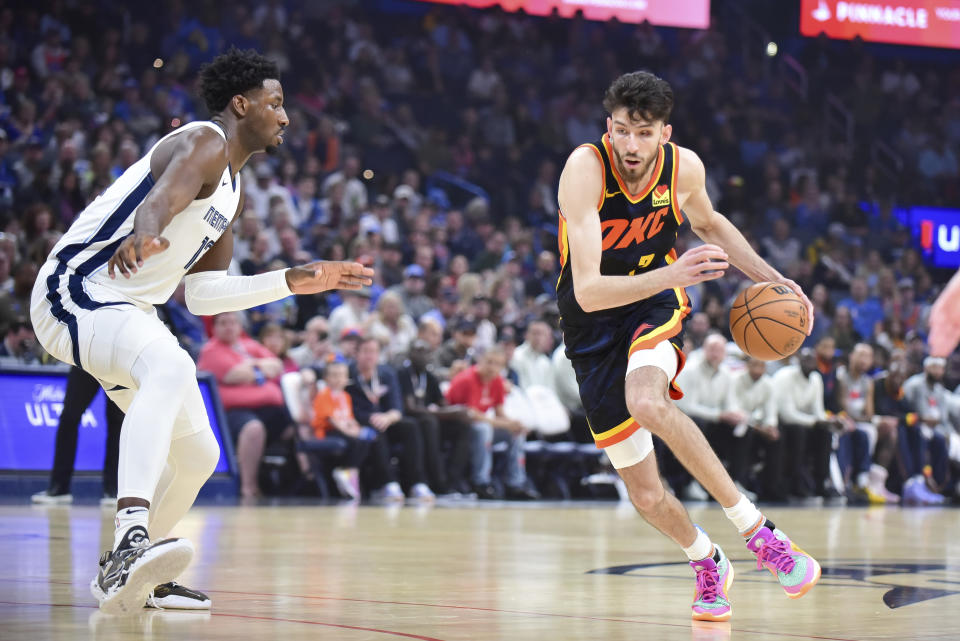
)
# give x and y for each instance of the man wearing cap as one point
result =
(411, 291)
(925, 395)
(406, 201)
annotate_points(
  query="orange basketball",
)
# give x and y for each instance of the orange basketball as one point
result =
(768, 321)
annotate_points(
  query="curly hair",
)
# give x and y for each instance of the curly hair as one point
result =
(644, 95)
(232, 73)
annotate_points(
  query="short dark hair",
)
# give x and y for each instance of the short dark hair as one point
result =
(645, 96)
(232, 73)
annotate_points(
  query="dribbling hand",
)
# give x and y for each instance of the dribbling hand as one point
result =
(135, 249)
(706, 262)
(803, 297)
(324, 275)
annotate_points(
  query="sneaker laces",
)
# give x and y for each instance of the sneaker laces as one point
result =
(708, 585)
(776, 553)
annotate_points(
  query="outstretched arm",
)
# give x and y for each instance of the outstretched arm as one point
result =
(581, 187)
(209, 290)
(714, 228)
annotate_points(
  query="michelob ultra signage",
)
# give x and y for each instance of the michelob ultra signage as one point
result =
(926, 23)
(937, 232)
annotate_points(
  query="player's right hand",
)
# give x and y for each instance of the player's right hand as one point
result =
(135, 248)
(706, 262)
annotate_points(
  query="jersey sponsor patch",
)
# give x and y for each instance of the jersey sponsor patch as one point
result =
(661, 196)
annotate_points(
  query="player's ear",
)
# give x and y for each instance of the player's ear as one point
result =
(609, 125)
(240, 104)
(665, 134)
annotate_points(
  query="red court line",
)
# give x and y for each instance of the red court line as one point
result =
(465, 607)
(523, 612)
(259, 618)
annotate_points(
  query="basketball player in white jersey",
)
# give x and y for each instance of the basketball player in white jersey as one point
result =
(168, 216)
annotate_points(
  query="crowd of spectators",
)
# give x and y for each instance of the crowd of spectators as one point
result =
(427, 142)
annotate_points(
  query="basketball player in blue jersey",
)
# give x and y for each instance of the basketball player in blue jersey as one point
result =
(622, 304)
(167, 217)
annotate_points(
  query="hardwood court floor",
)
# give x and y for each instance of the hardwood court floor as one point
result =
(544, 572)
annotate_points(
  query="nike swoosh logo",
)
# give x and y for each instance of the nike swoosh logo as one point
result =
(641, 330)
(611, 194)
(223, 184)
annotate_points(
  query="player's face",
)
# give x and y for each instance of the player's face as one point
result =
(268, 118)
(635, 143)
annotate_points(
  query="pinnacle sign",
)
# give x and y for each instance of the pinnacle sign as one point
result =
(928, 23)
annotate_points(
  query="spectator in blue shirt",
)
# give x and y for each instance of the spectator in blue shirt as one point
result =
(865, 310)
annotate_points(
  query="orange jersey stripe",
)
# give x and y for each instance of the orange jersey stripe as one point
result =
(673, 186)
(603, 174)
(562, 240)
(617, 434)
(663, 333)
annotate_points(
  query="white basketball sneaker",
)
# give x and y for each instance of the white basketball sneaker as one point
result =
(129, 573)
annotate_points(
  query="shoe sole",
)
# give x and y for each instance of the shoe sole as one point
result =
(706, 616)
(178, 603)
(166, 563)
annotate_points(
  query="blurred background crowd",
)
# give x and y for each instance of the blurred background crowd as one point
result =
(427, 142)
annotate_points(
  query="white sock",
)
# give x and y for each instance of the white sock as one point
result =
(701, 547)
(744, 515)
(128, 518)
(863, 479)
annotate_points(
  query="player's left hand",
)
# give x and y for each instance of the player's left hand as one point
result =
(806, 301)
(323, 275)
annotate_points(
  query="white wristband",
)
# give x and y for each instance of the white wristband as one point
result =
(209, 293)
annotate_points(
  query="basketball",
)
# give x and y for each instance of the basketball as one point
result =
(768, 321)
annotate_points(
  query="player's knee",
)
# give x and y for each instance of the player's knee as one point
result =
(647, 410)
(208, 454)
(182, 366)
(647, 499)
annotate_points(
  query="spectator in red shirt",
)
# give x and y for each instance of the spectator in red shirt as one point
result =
(482, 390)
(247, 374)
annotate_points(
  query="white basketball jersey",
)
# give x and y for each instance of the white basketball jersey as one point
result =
(82, 253)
